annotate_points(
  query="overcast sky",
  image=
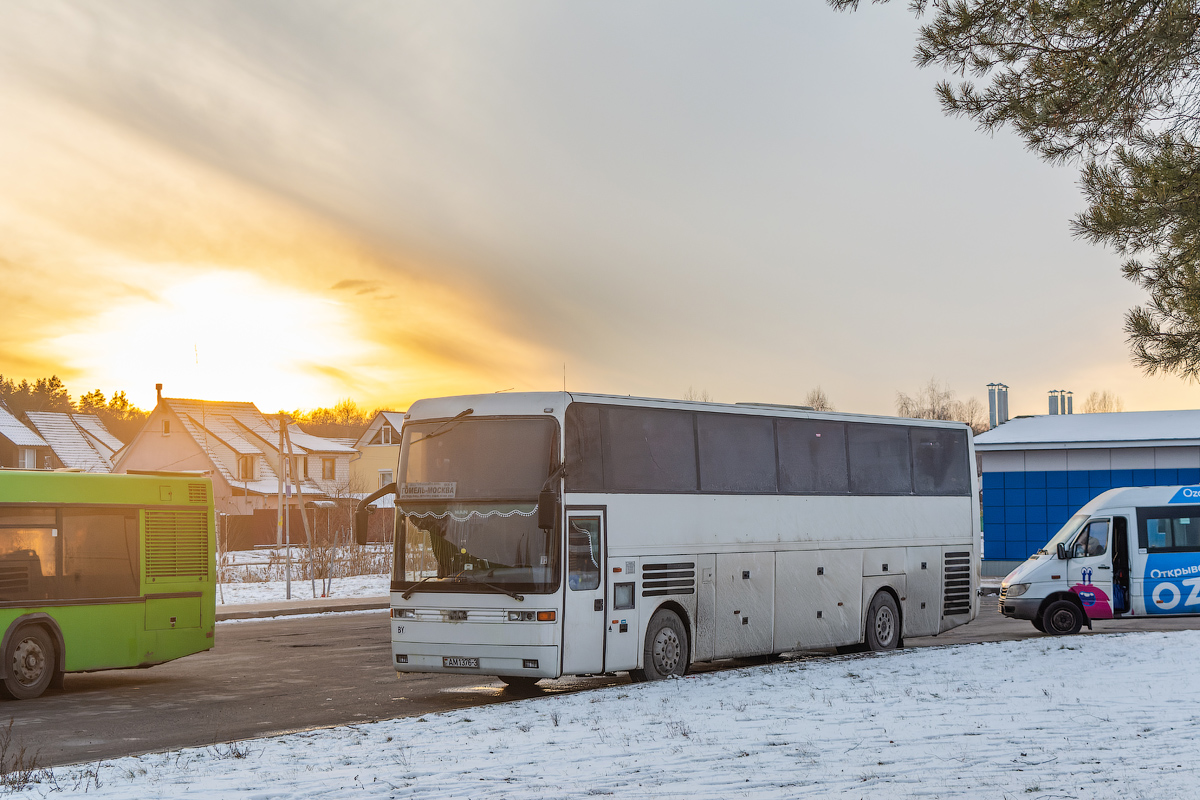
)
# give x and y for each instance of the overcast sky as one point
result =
(293, 202)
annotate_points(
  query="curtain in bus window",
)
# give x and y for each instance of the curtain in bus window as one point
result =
(100, 553)
(879, 459)
(648, 450)
(737, 454)
(585, 467)
(940, 462)
(812, 456)
(28, 557)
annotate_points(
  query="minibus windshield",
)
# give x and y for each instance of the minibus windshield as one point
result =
(1064, 533)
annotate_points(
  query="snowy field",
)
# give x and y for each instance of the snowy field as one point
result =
(1042, 718)
(233, 594)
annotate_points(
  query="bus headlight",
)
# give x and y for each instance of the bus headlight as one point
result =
(1016, 589)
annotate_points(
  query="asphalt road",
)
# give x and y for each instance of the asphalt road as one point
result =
(282, 675)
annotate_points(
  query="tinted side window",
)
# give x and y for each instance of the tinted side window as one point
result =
(737, 454)
(648, 450)
(585, 465)
(812, 456)
(100, 553)
(879, 459)
(940, 464)
(1170, 529)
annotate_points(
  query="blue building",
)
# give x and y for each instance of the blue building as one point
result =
(1035, 472)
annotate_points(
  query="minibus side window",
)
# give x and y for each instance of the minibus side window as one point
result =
(1092, 540)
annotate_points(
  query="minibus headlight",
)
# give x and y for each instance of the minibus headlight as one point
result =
(1017, 589)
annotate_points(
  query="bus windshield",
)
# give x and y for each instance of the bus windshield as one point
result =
(467, 506)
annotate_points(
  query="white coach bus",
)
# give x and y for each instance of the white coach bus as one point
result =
(548, 534)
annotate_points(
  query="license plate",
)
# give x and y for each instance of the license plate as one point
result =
(459, 662)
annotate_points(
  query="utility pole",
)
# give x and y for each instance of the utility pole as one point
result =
(303, 516)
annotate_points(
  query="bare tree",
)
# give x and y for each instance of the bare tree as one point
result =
(1102, 402)
(934, 401)
(818, 400)
(700, 395)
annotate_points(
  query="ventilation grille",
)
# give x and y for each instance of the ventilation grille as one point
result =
(661, 579)
(176, 544)
(197, 493)
(956, 598)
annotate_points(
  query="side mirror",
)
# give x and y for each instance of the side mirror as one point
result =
(362, 518)
(1062, 552)
(547, 509)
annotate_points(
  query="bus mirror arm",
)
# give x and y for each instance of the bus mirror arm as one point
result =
(1062, 552)
(363, 511)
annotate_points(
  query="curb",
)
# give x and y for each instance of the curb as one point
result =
(266, 610)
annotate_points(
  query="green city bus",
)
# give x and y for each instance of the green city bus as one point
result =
(102, 572)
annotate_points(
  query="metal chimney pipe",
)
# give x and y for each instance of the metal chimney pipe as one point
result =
(992, 405)
(1003, 401)
(1053, 402)
(1070, 410)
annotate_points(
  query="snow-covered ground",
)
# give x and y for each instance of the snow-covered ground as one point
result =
(1111, 716)
(232, 594)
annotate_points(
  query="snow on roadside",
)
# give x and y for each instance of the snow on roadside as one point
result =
(232, 594)
(1107, 716)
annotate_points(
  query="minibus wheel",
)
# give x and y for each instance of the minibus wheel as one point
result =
(1062, 618)
(883, 622)
(666, 651)
(29, 663)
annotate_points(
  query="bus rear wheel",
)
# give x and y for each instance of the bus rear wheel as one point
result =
(30, 663)
(666, 651)
(1062, 618)
(883, 623)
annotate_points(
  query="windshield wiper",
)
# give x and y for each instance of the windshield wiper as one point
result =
(438, 430)
(413, 588)
(493, 586)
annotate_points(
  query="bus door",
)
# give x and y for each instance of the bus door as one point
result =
(584, 608)
(1089, 572)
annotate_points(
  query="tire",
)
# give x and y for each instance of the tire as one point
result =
(1062, 618)
(666, 651)
(883, 623)
(30, 663)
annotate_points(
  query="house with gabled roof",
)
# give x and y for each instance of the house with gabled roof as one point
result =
(77, 441)
(378, 453)
(238, 446)
(20, 446)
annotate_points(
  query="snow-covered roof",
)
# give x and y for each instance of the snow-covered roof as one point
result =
(245, 430)
(95, 428)
(16, 432)
(75, 445)
(1082, 431)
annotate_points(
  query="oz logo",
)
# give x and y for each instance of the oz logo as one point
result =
(1166, 596)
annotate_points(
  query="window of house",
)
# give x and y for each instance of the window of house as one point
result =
(27, 458)
(327, 469)
(385, 477)
(246, 468)
(166, 427)
(304, 466)
(385, 435)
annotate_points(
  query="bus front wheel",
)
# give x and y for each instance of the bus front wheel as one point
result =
(666, 651)
(883, 623)
(1062, 618)
(30, 663)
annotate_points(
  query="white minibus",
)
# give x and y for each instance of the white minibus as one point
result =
(1130, 552)
(548, 534)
